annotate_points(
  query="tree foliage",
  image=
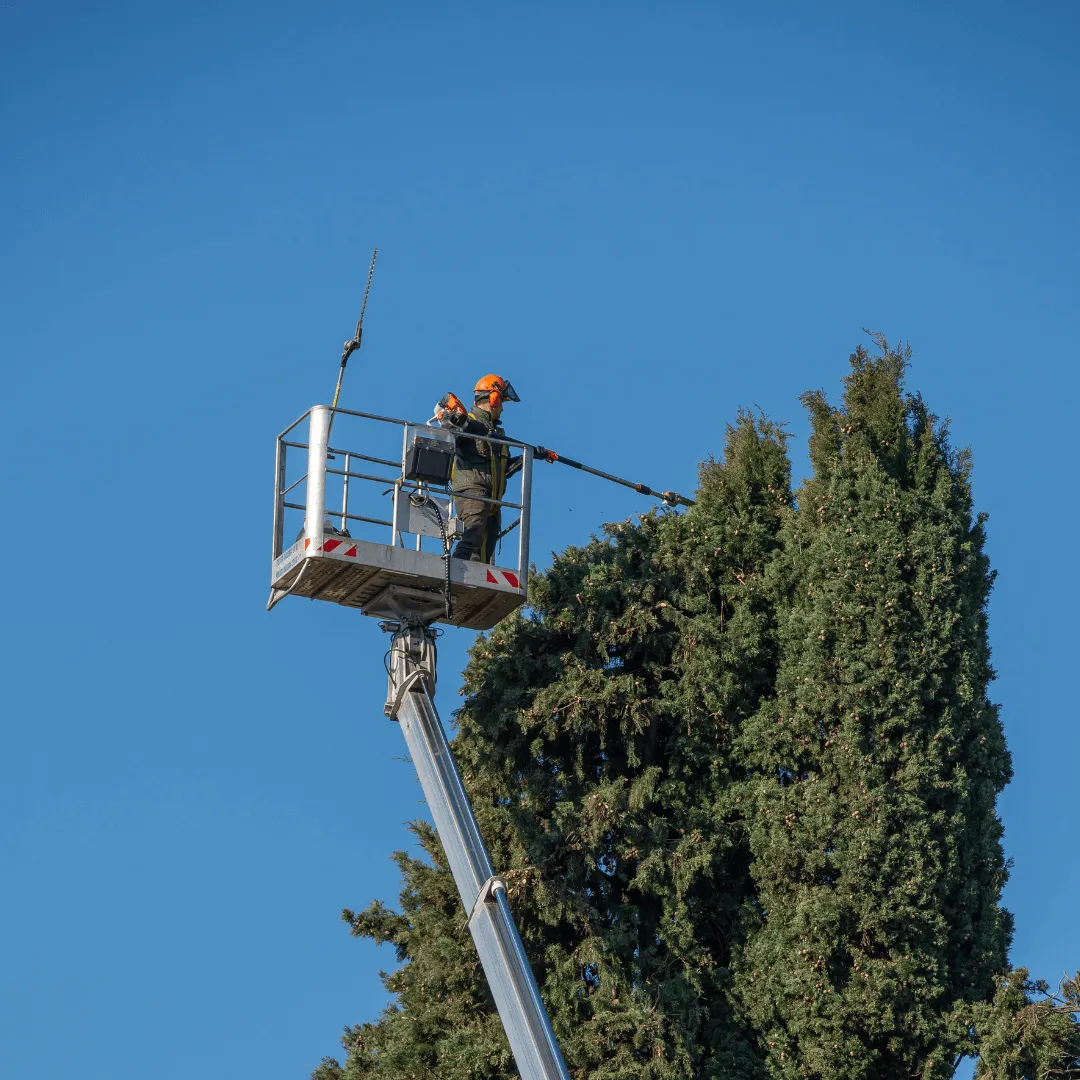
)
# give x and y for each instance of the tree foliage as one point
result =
(596, 741)
(739, 769)
(1028, 1032)
(876, 765)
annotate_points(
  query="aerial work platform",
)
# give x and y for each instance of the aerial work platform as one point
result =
(388, 573)
(357, 573)
(406, 505)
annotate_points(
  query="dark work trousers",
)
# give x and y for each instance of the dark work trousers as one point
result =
(482, 521)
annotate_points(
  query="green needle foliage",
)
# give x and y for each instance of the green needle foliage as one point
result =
(597, 741)
(739, 769)
(1027, 1032)
(876, 766)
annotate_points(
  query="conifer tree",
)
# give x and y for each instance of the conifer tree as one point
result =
(875, 768)
(597, 742)
(740, 769)
(1028, 1032)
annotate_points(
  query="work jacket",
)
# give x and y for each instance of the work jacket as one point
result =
(479, 462)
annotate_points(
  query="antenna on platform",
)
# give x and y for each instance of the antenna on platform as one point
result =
(353, 343)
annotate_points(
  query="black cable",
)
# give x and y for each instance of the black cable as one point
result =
(423, 501)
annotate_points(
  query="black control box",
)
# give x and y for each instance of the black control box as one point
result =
(429, 460)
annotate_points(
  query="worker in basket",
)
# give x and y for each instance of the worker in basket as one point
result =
(480, 468)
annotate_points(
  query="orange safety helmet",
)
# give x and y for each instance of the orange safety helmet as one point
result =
(493, 390)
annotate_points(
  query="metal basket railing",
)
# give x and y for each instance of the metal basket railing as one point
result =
(342, 489)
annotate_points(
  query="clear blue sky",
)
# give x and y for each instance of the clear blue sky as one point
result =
(646, 215)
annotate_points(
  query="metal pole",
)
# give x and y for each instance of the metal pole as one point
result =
(526, 503)
(279, 498)
(345, 496)
(395, 536)
(672, 498)
(318, 439)
(491, 923)
(400, 492)
(445, 794)
(353, 343)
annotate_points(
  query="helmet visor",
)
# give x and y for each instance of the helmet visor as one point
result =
(509, 393)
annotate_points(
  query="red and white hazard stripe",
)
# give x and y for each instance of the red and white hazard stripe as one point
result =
(504, 575)
(492, 575)
(332, 544)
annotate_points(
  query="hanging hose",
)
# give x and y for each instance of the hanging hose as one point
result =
(422, 501)
(277, 595)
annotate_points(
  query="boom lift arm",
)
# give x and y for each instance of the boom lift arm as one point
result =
(410, 589)
(483, 894)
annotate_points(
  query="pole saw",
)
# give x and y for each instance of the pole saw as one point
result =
(672, 498)
(353, 343)
(451, 403)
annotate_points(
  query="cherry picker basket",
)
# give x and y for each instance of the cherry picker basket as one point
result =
(376, 530)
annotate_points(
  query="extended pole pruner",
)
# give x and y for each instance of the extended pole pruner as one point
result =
(672, 498)
(353, 343)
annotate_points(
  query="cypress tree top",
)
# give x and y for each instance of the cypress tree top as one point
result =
(875, 769)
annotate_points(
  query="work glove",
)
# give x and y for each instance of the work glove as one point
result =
(448, 416)
(546, 454)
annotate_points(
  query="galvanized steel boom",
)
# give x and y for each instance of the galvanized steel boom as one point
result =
(407, 589)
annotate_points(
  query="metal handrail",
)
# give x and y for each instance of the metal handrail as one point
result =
(351, 517)
(483, 499)
(322, 470)
(364, 476)
(295, 483)
(393, 420)
(366, 457)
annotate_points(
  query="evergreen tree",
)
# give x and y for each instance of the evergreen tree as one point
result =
(442, 1022)
(597, 744)
(739, 768)
(876, 766)
(1027, 1032)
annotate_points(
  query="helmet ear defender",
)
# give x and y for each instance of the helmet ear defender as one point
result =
(495, 390)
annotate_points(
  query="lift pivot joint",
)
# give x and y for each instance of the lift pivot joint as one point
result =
(410, 663)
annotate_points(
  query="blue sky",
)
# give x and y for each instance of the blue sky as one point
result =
(645, 215)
